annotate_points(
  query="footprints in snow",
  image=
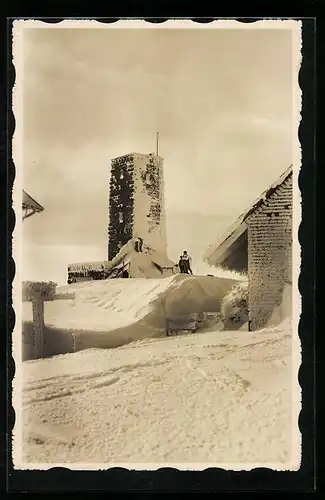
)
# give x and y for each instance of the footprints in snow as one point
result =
(62, 386)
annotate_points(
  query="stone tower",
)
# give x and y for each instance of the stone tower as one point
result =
(136, 202)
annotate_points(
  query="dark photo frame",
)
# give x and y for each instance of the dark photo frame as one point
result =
(169, 480)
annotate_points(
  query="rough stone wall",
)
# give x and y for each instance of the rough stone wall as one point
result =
(149, 210)
(121, 204)
(136, 202)
(269, 253)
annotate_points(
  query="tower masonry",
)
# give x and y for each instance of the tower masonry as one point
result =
(136, 202)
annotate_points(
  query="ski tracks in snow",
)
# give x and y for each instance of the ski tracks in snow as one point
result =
(194, 398)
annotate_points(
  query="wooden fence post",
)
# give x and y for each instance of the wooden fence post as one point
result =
(75, 342)
(38, 327)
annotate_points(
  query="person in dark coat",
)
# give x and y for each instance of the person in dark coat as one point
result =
(181, 265)
(187, 262)
(138, 244)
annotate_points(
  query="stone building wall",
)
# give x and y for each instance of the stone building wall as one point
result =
(269, 253)
(136, 202)
(121, 204)
(149, 210)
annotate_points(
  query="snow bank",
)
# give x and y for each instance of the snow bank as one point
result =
(234, 307)
(284, 310)
(214, 399)
(113, 312)
(145, 264)
(204, 268)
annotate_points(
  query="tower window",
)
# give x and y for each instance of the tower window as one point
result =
(122, 175)
(120, 217)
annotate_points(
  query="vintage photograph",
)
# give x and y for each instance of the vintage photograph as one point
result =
(156, 244)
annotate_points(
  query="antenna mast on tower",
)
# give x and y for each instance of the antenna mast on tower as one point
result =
(157, 145)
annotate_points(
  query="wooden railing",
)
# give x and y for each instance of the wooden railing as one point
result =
(38, 340)
(37, 293)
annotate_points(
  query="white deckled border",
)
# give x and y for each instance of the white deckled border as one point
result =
(18, 58)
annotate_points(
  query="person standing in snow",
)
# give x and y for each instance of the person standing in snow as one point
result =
(181, 265)
(136, 244)
(187, 260)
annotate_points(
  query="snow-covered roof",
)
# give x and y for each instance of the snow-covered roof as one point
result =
(30, 206)
(215, 252)
(144, 259)
(137, 154)
(29, 202)
(95, 265)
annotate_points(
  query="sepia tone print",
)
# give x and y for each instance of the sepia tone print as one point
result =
(156, 245)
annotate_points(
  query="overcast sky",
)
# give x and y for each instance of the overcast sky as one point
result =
(221, 100)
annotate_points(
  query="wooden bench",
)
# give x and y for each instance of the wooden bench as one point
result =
(185, 323)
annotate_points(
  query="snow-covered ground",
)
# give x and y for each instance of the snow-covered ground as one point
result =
(191, 401)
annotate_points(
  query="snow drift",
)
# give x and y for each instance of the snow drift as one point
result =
(284, 309)
(201, 267)
(234, 307)
(111, 313)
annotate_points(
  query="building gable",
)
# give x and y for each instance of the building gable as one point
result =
(30, 206)
(269, 253)
(231, 249)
